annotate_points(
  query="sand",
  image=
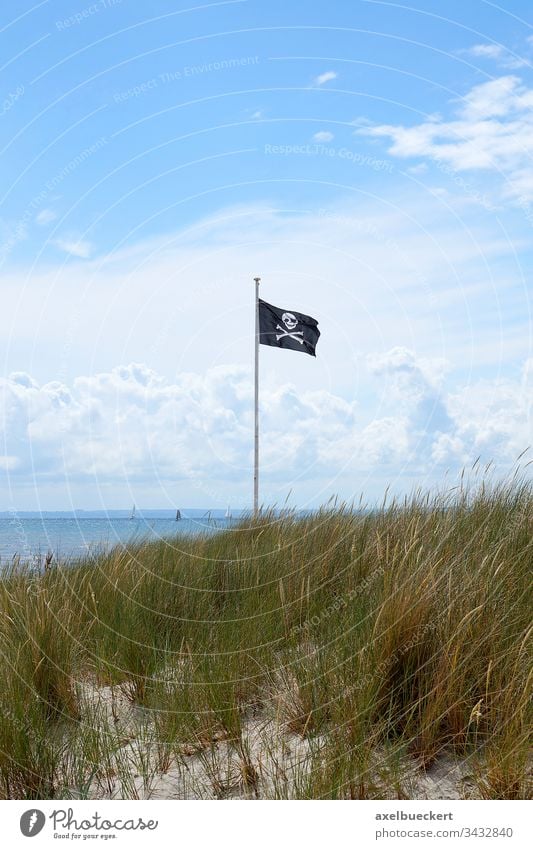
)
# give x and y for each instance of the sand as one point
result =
(268, 762)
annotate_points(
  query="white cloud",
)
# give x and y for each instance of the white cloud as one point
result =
(132, 426)
(409, 370)
(489, 51)
(498, 53)
(75, 247)
(492, 130)
(323, 136)
(413, 384)
(494, 99)
(326, 77)
(45, 216)
(515, 63)
(493, 419)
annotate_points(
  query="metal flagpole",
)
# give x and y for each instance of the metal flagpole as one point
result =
(256, 400)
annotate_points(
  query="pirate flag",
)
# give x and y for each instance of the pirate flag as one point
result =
(283, 329)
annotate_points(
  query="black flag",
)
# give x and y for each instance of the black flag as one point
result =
(283, 329)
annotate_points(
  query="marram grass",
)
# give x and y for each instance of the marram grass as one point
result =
(386, 642)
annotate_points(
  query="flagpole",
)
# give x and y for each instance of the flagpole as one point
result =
(256, 400)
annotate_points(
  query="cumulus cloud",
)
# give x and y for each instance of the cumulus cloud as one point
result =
(494, 418)
(492, 129)
(326, 77)
(413, 387)
(132, 425)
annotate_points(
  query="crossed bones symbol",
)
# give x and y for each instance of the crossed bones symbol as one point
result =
(295, 335)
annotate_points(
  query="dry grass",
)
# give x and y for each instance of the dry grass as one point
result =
(381, 639)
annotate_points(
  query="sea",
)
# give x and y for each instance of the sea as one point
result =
(30, 537)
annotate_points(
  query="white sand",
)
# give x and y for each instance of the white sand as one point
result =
(267, 757)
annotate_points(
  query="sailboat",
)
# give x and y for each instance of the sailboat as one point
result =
(228, 513)
(178, 515)
(132, 512)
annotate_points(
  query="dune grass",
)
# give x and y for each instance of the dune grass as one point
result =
(382, 640)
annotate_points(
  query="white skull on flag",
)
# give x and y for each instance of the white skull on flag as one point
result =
(289, 320)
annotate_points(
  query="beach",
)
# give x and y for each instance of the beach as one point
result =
(341, 655)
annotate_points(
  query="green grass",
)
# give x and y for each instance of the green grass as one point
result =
(383, 641)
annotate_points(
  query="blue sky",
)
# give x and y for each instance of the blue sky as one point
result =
(371, 161)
